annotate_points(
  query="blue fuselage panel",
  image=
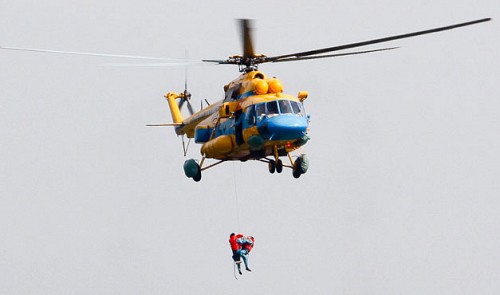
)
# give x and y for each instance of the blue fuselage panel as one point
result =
(282, 127)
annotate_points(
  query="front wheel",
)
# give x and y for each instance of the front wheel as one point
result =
(279, 166)
(272, 166)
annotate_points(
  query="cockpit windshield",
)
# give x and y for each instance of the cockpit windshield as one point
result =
(276, 107)
(273, 108)
(285, 107)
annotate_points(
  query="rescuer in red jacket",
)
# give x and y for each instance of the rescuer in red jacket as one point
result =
(236, 248)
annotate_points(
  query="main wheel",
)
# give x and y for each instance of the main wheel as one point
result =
(296, 174)
(272, 166)
(197, 177)
(304, 164)
(192, 170)
(297, 171)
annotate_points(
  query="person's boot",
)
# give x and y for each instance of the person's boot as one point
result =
(248, 269)
(239, 267)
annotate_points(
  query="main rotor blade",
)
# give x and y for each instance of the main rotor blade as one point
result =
(98, 54)
(332, 55)
(163, 125)
(162, 64)
(246, 38)
(217, 61)
(374, 41)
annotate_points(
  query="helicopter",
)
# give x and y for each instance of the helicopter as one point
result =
(255, 120)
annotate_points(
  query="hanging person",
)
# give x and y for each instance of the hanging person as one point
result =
(247, 244)
(236, 248)
(241, 247)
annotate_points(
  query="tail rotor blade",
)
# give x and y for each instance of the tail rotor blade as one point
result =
(181, 103)
(187, 95)
(190, 107)
(186, 55)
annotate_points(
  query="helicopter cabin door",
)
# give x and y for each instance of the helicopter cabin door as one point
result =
(238, 127)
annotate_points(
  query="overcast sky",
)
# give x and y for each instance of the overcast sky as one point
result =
(402, 194)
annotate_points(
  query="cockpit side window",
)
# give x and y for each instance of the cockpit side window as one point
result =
(297, 108)
(260, 109)
(285, 107)
(250, 116)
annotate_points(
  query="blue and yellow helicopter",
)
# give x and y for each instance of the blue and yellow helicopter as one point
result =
(255, 120)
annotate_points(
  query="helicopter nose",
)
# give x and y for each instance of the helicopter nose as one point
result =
(283, 127)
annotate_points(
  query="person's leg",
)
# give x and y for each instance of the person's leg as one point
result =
(244, 255)
(236, 258)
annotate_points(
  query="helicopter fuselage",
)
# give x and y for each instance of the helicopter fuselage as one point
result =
(255, 120)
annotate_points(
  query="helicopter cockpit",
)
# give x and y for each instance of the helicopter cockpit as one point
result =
(277, 119)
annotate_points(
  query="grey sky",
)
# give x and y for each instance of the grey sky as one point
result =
(402, 192)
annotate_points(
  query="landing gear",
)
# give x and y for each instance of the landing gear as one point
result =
(197, 177)
(297, 171)
(279, 166)
(300, 166)
(296, 174)
(192, 170)
(275, 166)
(272, 166)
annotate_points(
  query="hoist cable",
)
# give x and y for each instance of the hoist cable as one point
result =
(236, 201)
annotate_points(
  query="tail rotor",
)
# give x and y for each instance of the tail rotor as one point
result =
(186, 96)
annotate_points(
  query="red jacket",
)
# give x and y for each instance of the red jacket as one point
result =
(232, 241)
